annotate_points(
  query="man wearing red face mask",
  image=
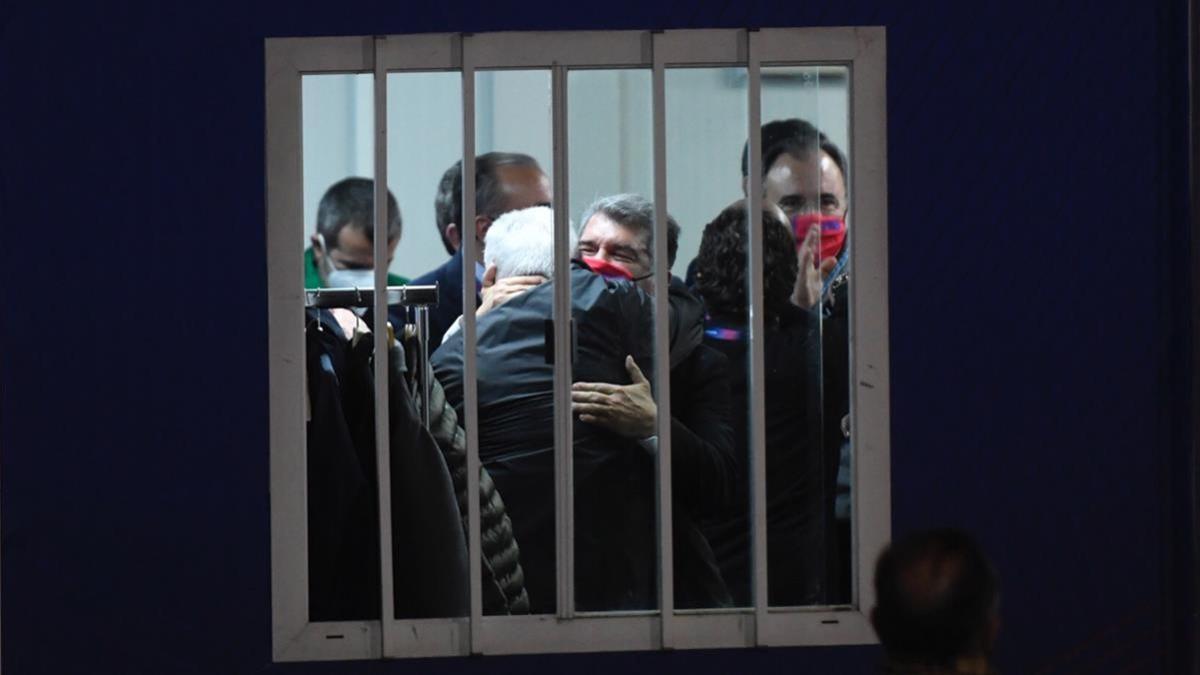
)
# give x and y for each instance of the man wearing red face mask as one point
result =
(616, 241)
(613, 453)
(805, 174)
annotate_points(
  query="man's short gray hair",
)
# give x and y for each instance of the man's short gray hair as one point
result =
(521, 243)
(636, 213)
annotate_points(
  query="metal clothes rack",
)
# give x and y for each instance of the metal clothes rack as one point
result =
(418, 298)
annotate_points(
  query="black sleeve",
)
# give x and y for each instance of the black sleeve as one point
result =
(702, 459)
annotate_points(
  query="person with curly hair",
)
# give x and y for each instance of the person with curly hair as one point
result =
(796, 513)
(807, 176)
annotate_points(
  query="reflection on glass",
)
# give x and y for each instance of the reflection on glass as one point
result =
(514, 228)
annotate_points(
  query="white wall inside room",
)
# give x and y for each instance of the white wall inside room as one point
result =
(424, 139)
(513, 113)
(337, 116)
(609, 129)
(609, 135)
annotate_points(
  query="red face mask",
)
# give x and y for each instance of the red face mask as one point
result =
(833, 232)
(607, 269)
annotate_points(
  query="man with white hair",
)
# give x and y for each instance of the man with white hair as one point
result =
(519, 255)
(614, 540)
(521, 243)
(504, 181)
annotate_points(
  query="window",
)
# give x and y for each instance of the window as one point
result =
(664, 115)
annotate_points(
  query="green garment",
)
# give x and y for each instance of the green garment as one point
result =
(312, 278)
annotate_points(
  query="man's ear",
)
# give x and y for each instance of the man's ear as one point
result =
(482, 223)
(453, 236)
(318, 248)
(489, 276)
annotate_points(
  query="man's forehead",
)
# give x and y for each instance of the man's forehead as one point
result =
(352, 235)
(831, 173)
(808, 171)
(600, 224)
(804, 160)
(352, 238)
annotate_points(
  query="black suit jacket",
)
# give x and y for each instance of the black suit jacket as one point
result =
(448, 278)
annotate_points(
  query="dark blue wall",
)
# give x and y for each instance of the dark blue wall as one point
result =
(1037, 184)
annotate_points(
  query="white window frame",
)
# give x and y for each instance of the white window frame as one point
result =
(862, 50)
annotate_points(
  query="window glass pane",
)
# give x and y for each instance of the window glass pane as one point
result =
(424, 140)
(343, 515)
(613, 395)
(428, 465)
(804, 110)
(799, 290)
(514, 226)
(706, 127)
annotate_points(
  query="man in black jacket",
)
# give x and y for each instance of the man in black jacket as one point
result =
(614, 517)
(805, 173)
(615, 540)
(617, 233)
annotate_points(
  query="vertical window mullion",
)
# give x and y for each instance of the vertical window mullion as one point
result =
(758, 443)
(662, 361)
(870, 409)
(382, 407)
(288, 382)
(564, 485)
(470, 381)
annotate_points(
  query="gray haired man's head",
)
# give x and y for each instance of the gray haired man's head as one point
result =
(521, 243)
(635, 212)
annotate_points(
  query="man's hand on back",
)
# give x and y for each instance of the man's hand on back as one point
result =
(494, 293)
(628, 410)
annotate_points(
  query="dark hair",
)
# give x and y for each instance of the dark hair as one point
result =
(636, 213)
(936, 593)
(351, 201)
(794, 137)
(489, 193)
(721, 264)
